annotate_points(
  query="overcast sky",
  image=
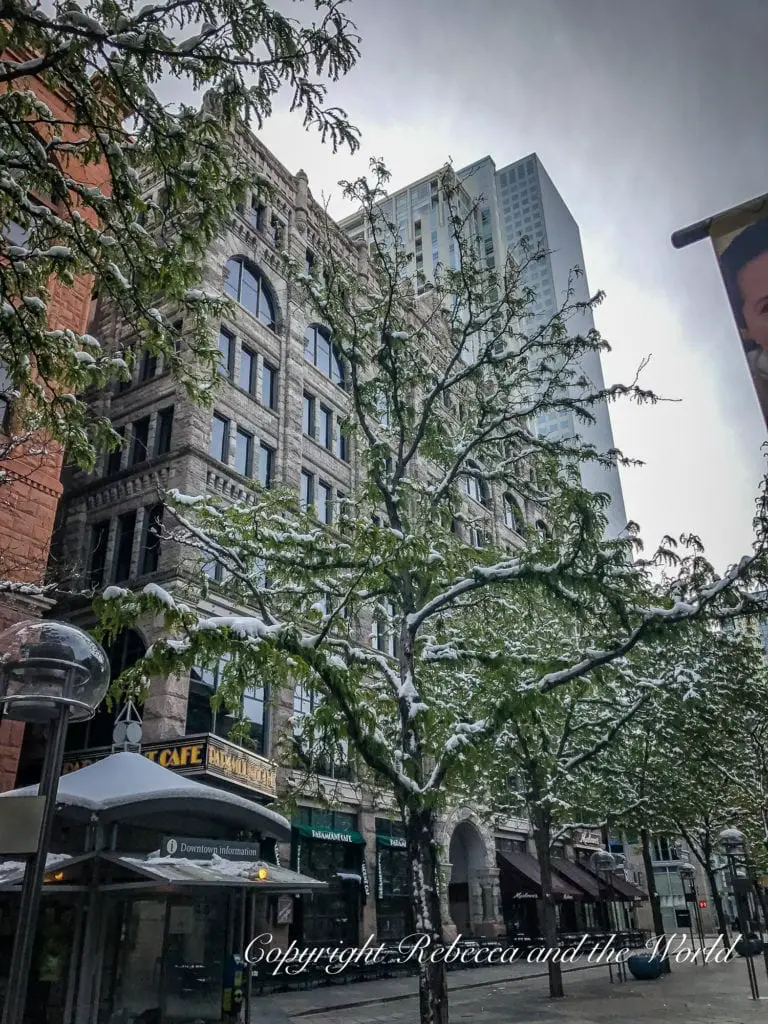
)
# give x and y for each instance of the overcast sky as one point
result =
(648, 116)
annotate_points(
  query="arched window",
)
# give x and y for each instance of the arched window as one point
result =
(319, 350)
(542, 530)
(246, 285)
(473, 485)
(513, 517)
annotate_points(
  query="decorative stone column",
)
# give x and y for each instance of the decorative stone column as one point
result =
(165, 710)
(486, 920)
(450, 931)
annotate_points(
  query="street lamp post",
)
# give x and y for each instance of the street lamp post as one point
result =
(688, 881)
(732, 841)
(50, 673)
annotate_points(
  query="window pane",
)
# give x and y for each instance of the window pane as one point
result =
(253, 711)
(249, 291)
(115, 457)
(243, 452)
(148, 365)
(164, 431)
(126, 526)
(308, 416)
(266, 311)
(153, 524)
(266, 465)
(323, 354)
(342, 449)
(219, 437)
(232, 279)
(247, 371)
(99, 541)
(324, 503)
(307, 489)
(309, 344)
(326, 427)
(140, 439)
(226, 353)
(269, 386)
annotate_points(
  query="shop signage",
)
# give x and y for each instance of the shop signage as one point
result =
(593, 840)
(205, 849)
(397, 842)
(206, 755)
(328, 835)
(235, 764)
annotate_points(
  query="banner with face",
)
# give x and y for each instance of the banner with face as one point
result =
(742, 252)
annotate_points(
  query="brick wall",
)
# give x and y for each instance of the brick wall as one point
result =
(29, 499)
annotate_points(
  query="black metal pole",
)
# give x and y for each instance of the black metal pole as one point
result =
(699, 923)
(739, 896)
(26, 928)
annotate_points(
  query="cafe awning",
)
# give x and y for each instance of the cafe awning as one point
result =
(579, 877)
(328, 835)
(625, 890)
(521, 876)
(129, 787)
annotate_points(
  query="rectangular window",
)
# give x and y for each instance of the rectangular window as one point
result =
(126, 526)
(164, 431)
(214, 571)
(307, 490)
(308, 415)
(266, 465)
(220, 438)
(325, 433)
(269, 386)
(153, 524)
(244, 452)
(115, 457)
(257, 214)
(140, 440)
(148, 367)
(342, 445)
(324, 503)
(98, 562)
(226, 353)
(309, 262)
(248, 371)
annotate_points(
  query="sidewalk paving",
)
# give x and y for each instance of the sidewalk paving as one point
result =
(715, 994)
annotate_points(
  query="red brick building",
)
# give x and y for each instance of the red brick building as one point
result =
(29, 497)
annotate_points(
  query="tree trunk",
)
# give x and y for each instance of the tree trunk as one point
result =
(717, 899)
(653, 896)
(423, 870)
(541, 837)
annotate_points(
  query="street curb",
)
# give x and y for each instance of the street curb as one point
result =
(415, 995)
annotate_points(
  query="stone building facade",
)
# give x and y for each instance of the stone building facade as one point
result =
(276, 418)
(31, 485)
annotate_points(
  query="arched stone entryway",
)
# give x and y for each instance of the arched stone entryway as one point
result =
(470, 889)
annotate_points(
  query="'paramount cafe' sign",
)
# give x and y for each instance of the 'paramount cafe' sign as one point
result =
(206, 755)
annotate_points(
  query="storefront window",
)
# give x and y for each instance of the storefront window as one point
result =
(341, 821)
(390, 827)
(164, 960)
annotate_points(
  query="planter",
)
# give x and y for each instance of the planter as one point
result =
(645, 968)
(751, 946)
